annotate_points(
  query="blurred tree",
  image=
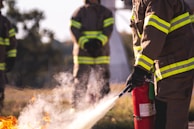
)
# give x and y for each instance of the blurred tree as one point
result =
(36, 61)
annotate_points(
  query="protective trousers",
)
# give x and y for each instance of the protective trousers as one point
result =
(2, 88)
(98, 87)
(173, 101)
(2, 75)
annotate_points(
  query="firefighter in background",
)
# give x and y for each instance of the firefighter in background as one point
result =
(8, 44)
(163, 38)
(91, 27)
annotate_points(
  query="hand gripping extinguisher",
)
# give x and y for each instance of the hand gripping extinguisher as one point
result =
(143, 104)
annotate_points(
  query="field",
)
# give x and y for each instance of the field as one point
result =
(119, 117)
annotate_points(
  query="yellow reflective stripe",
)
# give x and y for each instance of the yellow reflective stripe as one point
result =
(91, 60)
(108, 22)
(192, 18)
(2, 66)
(1, 41)
(137, 48)
(133, 16)
(12, 32)
(92, 34)
(6, 42)
(98, 35)
(75, 24)
(12, 53)
(180, 21)
(144, 61)
(103, 38)
(175, 68)
(139, 35)
(102, 60)
(157, 22)
(82, 40)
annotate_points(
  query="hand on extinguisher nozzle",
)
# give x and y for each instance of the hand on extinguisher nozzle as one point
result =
(137, 78)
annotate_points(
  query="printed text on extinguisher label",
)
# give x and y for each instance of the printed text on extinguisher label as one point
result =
(146, 109)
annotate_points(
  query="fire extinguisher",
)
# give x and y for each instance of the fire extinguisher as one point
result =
(143, 106)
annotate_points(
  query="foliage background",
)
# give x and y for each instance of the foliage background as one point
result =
(37, 61)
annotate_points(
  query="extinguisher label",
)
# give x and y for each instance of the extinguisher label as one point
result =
(147, 109)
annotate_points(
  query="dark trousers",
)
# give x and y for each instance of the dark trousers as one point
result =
(91, 83)
(173, 101)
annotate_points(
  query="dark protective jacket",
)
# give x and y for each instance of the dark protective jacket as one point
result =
(8, 43)
(163, 36)
(91, 21)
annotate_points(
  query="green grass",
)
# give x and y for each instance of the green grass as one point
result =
(119, 117)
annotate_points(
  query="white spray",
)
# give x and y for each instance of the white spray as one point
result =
(51, 112)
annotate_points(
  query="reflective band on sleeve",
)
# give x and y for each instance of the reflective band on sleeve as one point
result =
(75, 24)
(144, 61)
(91, 60)
(6, 42)
(158, 23)
(192, 18)
(82, 40)
(108, 22)
(96, 34)
(12, 53)
(136, 49)
(180, 21)
(175, 68)
(11, 32)
(103, 38)
(2, 66)
(1, 41)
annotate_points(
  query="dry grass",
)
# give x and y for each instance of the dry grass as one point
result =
(119, 117)
(16, 99)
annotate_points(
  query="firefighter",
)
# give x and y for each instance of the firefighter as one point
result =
(163, 39)
(8, 50)
(91, 27)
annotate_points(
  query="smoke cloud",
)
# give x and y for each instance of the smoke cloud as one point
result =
(52, 111)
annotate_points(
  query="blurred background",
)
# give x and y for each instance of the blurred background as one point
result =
(44, 40)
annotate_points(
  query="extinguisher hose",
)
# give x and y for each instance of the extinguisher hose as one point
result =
(128, 88)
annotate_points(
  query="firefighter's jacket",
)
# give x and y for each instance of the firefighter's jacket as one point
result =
(91, 21)
(163, 36)
(8, 42)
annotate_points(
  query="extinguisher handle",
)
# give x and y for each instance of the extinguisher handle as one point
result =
(128, 88)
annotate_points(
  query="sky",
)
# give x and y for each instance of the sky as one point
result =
(58, 14)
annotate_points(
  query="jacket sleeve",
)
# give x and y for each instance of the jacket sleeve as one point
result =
(158, 15)
(76, 26)
(108, 24)
(11, 48)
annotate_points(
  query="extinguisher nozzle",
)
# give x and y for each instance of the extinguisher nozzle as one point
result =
(128, 88)
(121, 94)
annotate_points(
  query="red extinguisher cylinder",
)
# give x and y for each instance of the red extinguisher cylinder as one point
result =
(143, 107)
